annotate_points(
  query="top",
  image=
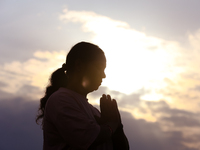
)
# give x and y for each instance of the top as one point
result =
(69, 122)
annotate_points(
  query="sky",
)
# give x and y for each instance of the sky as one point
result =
(152, 50)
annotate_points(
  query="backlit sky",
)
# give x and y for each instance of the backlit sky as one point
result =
(152, 49)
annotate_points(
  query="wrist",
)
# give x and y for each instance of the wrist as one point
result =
(110, 129)
(113, 126)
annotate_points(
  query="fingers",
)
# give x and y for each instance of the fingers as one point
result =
(106, 100)
(106, 97)
(115, 107)
(117, 111)
(107, 105)
(104, 106)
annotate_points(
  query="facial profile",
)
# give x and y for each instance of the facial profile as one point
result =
(85, 64)
(94, 75)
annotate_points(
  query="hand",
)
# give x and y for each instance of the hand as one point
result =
(109, 112)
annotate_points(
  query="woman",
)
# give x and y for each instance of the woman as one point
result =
(68, 120)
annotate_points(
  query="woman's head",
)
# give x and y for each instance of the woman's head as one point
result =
(83, 70)
(83, 54)
(87, 62)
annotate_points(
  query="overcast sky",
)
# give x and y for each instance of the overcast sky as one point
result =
(152, 49)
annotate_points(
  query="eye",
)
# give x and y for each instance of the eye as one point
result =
(100, 68)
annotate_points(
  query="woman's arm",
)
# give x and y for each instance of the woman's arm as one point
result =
(110, 125)
(104, 135)
(111, 112)
(120, 142)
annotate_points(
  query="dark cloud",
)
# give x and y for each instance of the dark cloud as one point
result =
(145, 135)
(17, 117)
(163, 107)
(18, 128)
(181, 121)
(141, 131)
(179, 118)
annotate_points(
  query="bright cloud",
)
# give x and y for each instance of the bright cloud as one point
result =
(34, 72)
(135, 60)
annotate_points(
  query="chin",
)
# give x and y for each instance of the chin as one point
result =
(95, 88)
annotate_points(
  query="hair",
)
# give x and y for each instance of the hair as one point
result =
(82, 52)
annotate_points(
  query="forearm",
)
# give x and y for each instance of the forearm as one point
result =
(120, 142)
(104, 135)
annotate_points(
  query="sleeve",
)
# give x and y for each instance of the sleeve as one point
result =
(74, 125)
(120, 142)
(103, 136)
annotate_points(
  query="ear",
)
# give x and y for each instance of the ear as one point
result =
(79, 66)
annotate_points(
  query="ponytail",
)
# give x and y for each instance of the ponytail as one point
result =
(58, 79)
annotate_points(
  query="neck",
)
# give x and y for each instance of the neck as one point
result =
(76, 86)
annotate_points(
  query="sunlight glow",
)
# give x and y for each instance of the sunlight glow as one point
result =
(134, 60)
(133, 65)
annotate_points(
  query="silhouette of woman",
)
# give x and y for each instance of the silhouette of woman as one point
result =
(69, 122)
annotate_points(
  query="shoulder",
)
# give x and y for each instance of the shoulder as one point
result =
(60, 102)
(95, 111)
(63, 94)
(60, 99)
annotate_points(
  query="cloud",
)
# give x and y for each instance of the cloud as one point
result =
(134, 60)
(180, 130)
(18, 128)
(146, 135)
(18, 114)
(30, 77)
(155, 123)
(167, 69)
(154, 80)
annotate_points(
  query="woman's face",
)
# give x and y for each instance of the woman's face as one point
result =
(94, 73)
